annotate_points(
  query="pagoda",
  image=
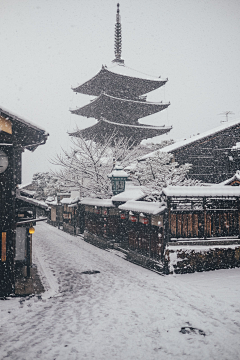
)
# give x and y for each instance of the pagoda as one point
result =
(120, 100)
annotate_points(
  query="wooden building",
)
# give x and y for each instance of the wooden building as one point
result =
(71, 213)
(214, 155)
(120, 100)
(144, 227)
(196, 228)
(16, 135)
(202, 212)
(101, 221)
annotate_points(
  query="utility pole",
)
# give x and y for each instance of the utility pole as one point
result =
(226, 113)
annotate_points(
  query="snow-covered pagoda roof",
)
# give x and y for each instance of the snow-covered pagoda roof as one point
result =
(197, 138)
(20, 131)
(120, 80)
(152, 208)
(119, 110)
(202, 191)
(135, 133)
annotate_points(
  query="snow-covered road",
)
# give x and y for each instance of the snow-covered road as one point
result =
(122, 312)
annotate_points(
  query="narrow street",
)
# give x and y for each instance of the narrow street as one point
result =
(121, 312)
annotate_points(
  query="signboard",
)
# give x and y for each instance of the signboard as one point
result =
(21, 237)
(5, 125)
(4, 247)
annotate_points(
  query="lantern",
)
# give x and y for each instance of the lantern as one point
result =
(145, 221)
(118, 179)
(133, 218)
(31, 230)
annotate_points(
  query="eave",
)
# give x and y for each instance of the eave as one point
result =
(134, 133)
(24, 134)
(119, 110)
(118, 85)
(204, 138)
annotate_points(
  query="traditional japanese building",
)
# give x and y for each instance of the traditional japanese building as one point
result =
(214, 154)
(17, 213)
(120, 100)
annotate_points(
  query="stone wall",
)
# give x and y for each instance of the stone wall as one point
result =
(189, 259)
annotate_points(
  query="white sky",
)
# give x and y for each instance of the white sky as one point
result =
(47, 46)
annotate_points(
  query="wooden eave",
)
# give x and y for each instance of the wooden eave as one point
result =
(118, 85)
(119, 110)
(24, 134)
(135, 133)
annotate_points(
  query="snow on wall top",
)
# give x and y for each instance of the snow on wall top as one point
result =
(152, 208)
(181, 143)
(97, 202)
(200, 191)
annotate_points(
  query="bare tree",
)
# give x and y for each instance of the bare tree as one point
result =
(88, 163)
(159, 171)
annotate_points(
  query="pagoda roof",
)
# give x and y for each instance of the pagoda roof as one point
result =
(135, 133)
(119, 110)
(121, 81)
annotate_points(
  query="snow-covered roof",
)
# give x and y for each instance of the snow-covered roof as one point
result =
(51, 200)
(131, 193)
(163, 128)
(152, 208)
(233, 178)
(118, 172)
(97, 202)
(201, 191)
(113, 111)
(37, 203)
(28, 135)
(21, 186)
(124, 70)
(69, 201)
(28, 192)
(21, 119)
(181, 143)
(120, 79)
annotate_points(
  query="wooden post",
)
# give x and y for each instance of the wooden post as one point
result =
(29, 254)
(238, 219)
(7, 224)
(205, 218)
(4, 247)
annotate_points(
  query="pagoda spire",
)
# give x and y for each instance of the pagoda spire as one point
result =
(118, 38)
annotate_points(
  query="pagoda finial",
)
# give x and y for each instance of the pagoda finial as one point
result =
(118, 38)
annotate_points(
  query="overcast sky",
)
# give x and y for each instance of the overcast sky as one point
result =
(48, 46)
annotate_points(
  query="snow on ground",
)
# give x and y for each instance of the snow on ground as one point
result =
(123, 312)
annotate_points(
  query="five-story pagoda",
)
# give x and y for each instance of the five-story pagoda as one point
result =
(120, 101)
